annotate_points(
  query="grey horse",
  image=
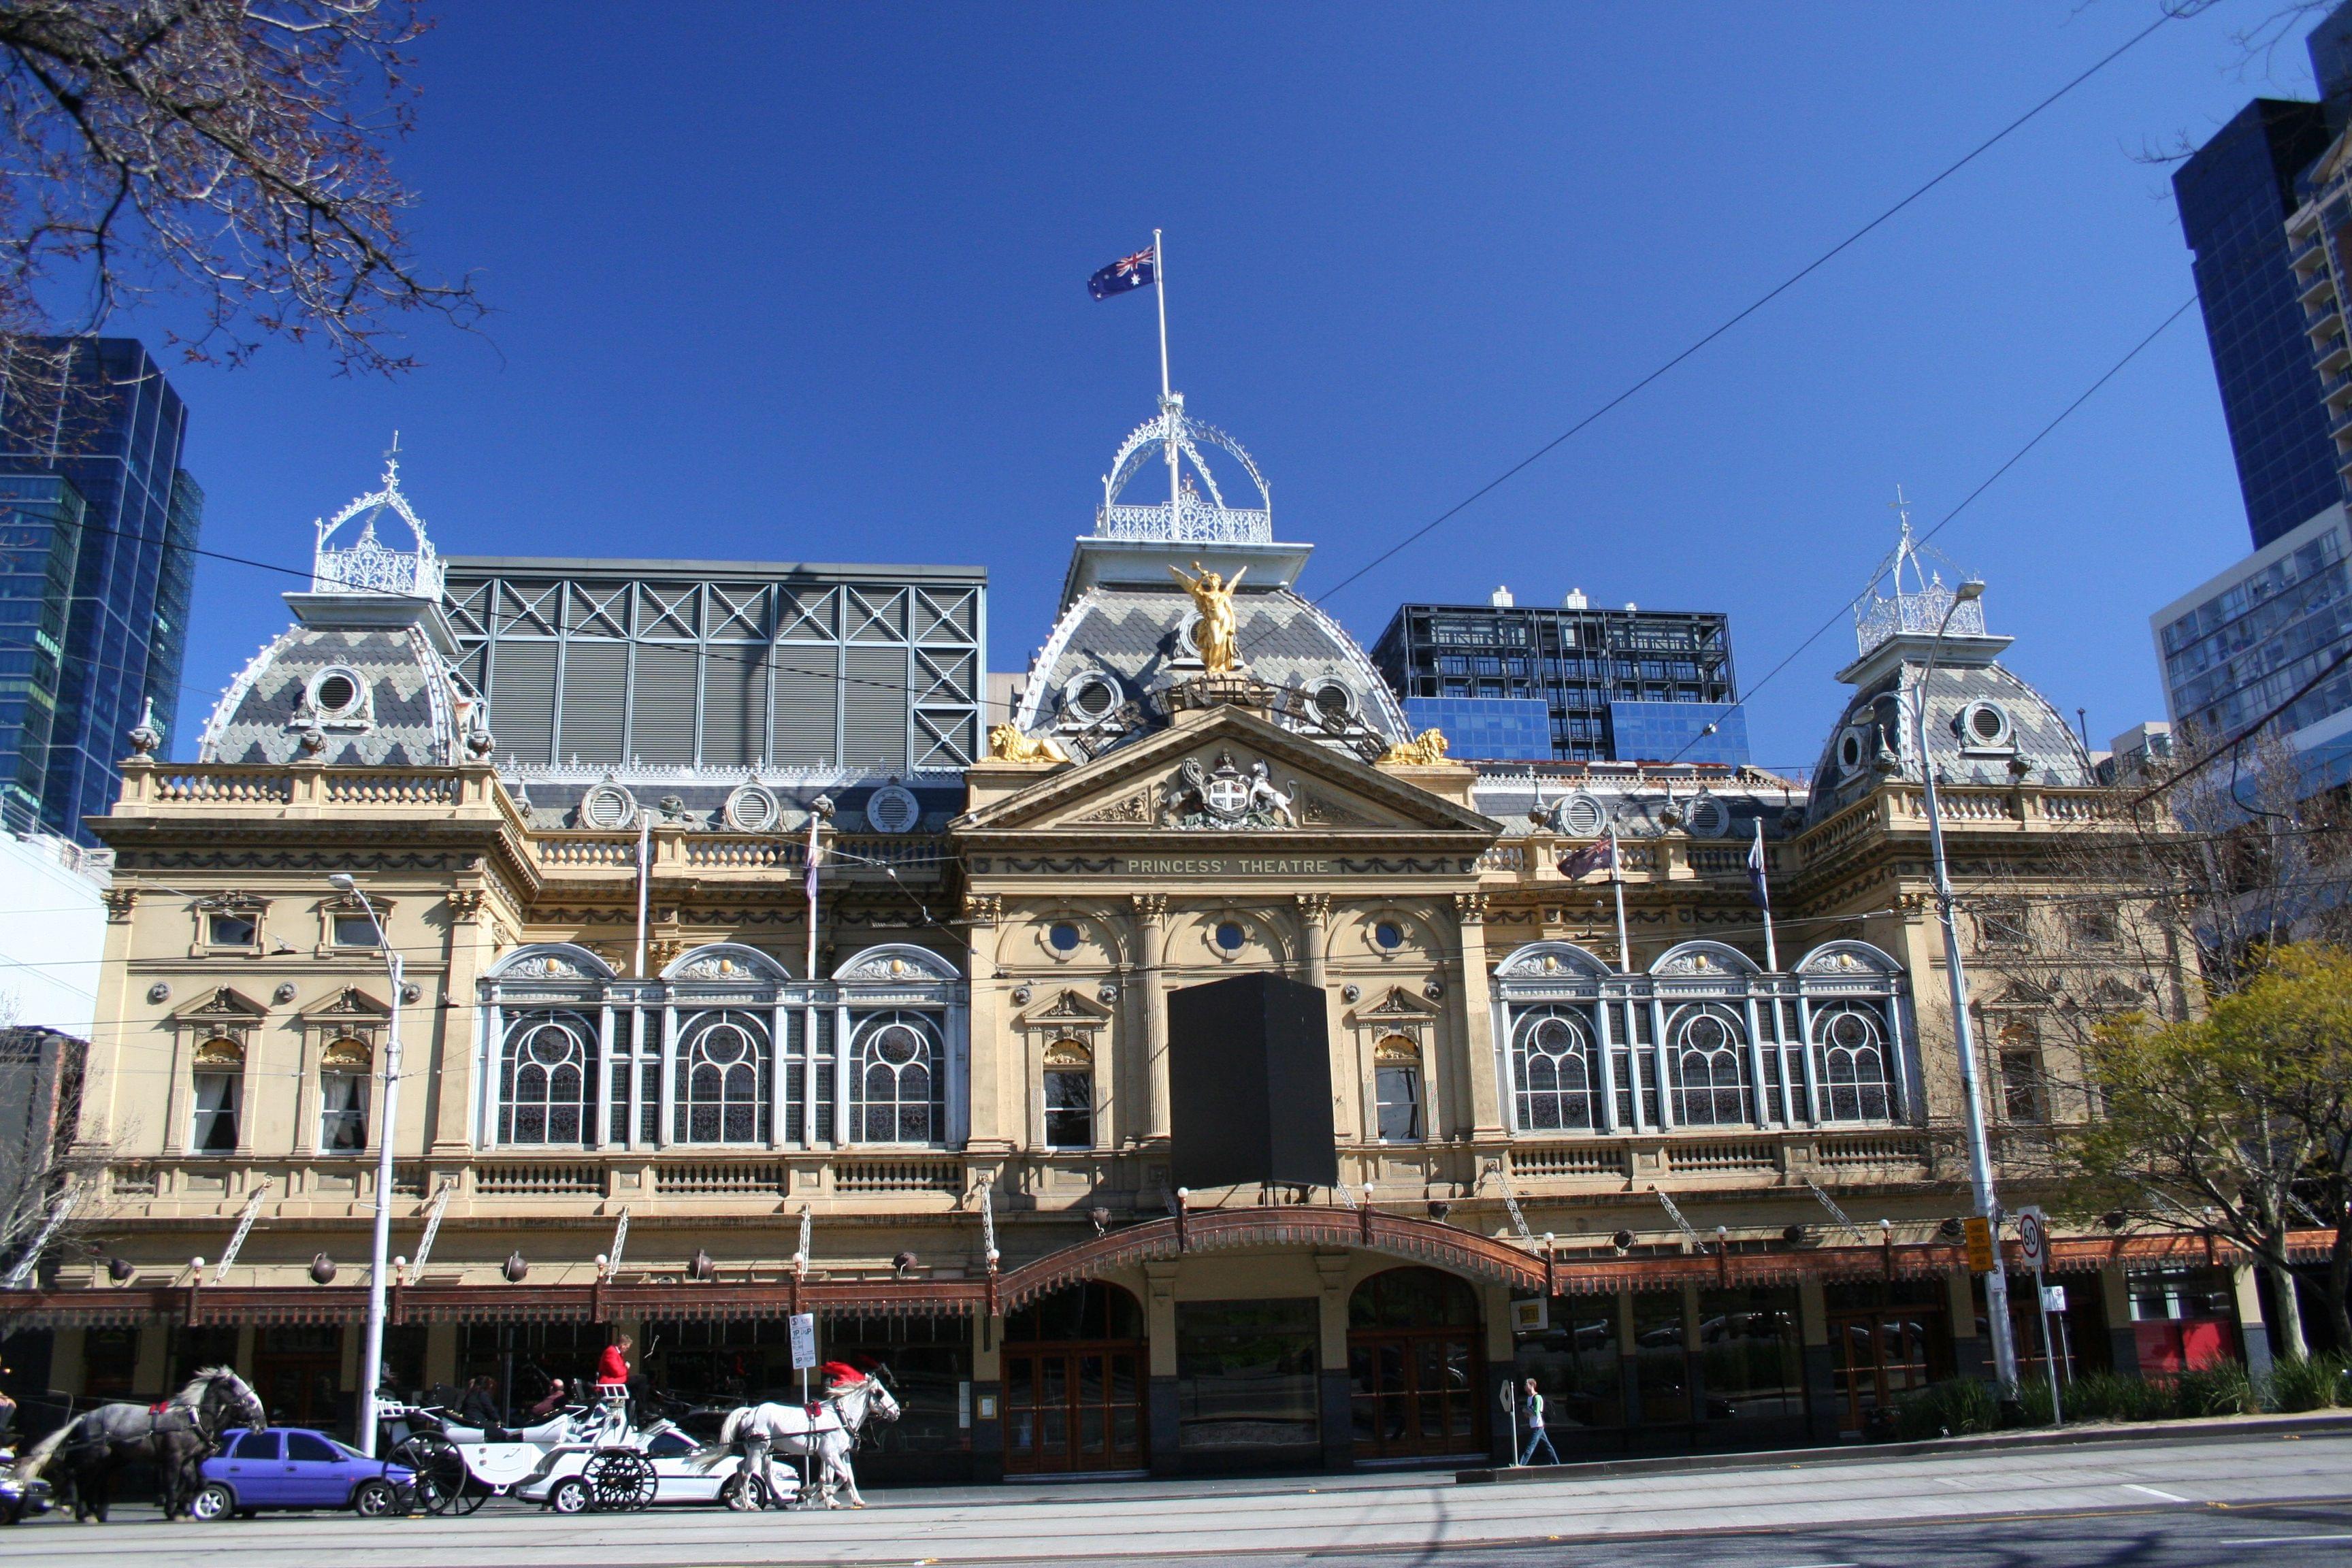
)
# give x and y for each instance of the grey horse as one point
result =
(177, 1436)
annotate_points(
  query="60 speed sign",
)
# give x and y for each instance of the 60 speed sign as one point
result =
(2032, 1240)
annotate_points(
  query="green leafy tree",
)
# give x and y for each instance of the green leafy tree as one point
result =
(2236, 1122)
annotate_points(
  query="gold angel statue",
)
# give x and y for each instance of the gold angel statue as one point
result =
(1220, 652)
(1006, 743)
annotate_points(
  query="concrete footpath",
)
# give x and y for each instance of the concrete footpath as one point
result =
(2198, 1431)
(2132, 1480)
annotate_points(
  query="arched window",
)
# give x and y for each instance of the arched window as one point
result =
(899, 1094)
(544, 1079)
(1852, 1057)
(1069, 1096)
(1707, 1044)
(219, 1082)
(343, 1098)
(722, 1079)
(1551, 1062)
(1396, 1089)
(1090, 1310)
(1412, 1298)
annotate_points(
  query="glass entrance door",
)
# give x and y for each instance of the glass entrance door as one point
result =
(1881, 1357)
(1073, 1407)
(1414, 1393)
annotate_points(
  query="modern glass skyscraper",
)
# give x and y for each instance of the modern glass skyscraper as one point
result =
(2235, 196)
(99, 414)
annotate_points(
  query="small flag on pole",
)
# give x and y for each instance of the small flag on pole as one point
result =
(815, 854)
(1757, 889)
(1138, 272)
(1601, 854)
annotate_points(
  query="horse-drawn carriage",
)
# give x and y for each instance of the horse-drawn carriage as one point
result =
(596, 1456)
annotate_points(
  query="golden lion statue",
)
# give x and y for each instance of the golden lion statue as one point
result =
(1424, 749)
(1006, 743)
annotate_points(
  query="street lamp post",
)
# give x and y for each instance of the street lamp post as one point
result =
(2004, 1347)
(372, 1361)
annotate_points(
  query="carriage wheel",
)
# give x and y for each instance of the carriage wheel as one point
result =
(619, 1478)
(442, 1484)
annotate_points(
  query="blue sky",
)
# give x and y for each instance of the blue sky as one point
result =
(808, 283)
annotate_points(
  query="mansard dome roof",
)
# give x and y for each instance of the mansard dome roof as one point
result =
(364, 676)
(1124, 634)
(1984, 724)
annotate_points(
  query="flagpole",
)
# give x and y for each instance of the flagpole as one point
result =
(1160, 291)
(1617, 883)
(1167, 397)
(1764, 897)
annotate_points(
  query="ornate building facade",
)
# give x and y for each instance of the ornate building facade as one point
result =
(1600, 1126)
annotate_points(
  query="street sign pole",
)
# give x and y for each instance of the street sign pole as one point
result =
(2033, 1241)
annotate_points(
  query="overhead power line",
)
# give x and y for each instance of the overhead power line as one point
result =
(2170, 12)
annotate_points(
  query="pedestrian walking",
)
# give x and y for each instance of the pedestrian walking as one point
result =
(1532, 1409)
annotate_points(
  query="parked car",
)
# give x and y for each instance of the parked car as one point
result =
(21, 1500)
(289, 1467)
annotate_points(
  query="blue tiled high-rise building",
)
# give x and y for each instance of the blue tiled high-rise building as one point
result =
(2235, 195)
(97, 412)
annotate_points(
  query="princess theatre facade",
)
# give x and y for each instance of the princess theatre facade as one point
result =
(1696, 1186)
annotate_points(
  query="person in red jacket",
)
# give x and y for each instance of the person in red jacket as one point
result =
(613, 1370)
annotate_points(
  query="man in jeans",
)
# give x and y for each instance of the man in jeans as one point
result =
(1531, 1411)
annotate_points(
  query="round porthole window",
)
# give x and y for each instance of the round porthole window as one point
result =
(1063, 936)
(751, 809)
(1387, 935)
(1229, 935)
(1708, 819)
(1334, 703)
(1580, 816)
(607, 807)
(336, 693)
(1984, 723)
(1090, 699)
(892, 809)
(1850, 750)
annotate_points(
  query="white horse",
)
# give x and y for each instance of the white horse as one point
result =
(756, 1432)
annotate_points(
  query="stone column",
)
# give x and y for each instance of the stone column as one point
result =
(1629, 1365)
(1315, 935)
(1694, 1356)
(987, 1097)
(2250, 1327)
(1332, 1363)
(1160, 1327)
(1823, 1419)
(1477, 1016)
(1969, 1357)
(438, 1040)
(1502, 1368)
(987, 1397)
(2122, 1341)
(147, 1363)
(1152, 927)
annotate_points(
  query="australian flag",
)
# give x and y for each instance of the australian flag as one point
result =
(1594, 857)
(1136, 271)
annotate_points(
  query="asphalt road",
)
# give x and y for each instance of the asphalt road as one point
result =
(2267, 1500)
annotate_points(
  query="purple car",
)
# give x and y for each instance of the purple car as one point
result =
(286, 1466)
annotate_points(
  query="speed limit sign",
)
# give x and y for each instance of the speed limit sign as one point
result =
(2032, 1240)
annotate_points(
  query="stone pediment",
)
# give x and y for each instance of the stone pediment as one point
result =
(1226, 773)
(1398, 1006)
(222, 1005)
(350, 1003)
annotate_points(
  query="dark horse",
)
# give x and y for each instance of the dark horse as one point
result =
(177, 1436)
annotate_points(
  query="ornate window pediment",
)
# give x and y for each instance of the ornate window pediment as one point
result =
(1705, 960)
(552, 961)
(1550, 961)
(223, 1004)
(727, 963)
(1398, 1006)
(897, 964)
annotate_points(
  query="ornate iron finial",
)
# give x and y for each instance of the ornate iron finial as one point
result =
(1189, 515)
(146, 735)
(368, 565)
(1917, 598)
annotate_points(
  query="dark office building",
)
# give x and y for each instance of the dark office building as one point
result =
(1572, 683)
(2235, 196)
(99, 414)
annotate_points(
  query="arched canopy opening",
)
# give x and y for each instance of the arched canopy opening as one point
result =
(1090, 1309)
(1413, 1297)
